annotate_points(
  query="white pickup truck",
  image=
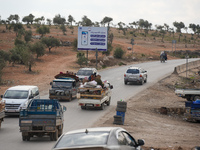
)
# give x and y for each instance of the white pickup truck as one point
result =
(189, 94)
(94, 97)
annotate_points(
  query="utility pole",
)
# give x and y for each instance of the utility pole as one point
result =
(132, 42)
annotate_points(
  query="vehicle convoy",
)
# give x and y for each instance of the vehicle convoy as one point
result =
(189, 94)
(86, 73)
(99, 138)
(135, 75)
(91, 95)
(42, 117)
(64, 86)
(2, 111)
(17, 97)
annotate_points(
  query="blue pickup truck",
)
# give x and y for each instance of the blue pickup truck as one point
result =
(42, 117)
(192, 111)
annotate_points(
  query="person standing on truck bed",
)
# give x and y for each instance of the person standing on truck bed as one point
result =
(92, 77)
(98, 80)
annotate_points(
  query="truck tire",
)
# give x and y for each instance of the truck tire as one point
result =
(83, 107)
(102, 106)
(121, 103)
(108, 102)
(195, 97)
(55, 135)
(23, 138)
(60, 131)
(28, 138)
(70, 98)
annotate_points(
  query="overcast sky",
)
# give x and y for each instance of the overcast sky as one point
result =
(156, 12)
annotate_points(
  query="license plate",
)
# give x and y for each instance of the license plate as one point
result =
(89, 105)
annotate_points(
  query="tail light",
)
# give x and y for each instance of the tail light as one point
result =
(124, 75)
(140, 75)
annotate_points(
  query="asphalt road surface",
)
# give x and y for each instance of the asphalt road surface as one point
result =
(75, 117)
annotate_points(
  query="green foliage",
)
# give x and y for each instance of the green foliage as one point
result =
(50, 42)
(58, 20)
(19, 42)
(28, 19)
(38, 48)
(75, 42)
(81, 60)
(43, 30)
(28, 36)
(63, 28)
(118, 53)
(107, 53)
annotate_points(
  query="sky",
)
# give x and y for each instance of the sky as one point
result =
(156, 12)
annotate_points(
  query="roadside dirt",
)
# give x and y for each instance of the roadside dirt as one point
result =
(157, 116)
(143, 118)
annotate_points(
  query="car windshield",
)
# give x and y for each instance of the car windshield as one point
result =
(83, 139)
(16, 94)
(133, 71)
(84, 72)
(61, 84)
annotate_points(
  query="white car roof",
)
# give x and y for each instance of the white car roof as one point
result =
(22, 87)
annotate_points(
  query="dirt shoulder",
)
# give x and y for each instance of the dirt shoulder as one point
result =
(145, 120)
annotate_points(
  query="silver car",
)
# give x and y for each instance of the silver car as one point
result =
(85, 73)
(135, 74)
(100, 138)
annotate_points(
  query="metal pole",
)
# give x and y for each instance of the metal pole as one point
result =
(186, 64)
(87, 59)
(96, 57)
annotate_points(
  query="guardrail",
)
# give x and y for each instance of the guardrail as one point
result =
(182, 68)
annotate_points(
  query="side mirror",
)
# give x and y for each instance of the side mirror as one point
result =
(111, 86)
(1, 96)
(64, 108)
(31, 96)
(140, 142)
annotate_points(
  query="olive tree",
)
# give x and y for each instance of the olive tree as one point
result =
(50, 42)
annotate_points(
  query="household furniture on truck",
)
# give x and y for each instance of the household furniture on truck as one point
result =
(42, 117)
(94, 96)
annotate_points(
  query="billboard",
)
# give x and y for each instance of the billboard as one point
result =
(92, 38)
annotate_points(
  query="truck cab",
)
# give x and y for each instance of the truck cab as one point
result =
(63, 89)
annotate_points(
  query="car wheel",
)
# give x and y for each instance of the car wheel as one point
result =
(142, 82)
(125, 82)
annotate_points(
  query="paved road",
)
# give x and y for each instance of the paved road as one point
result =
(75, 118)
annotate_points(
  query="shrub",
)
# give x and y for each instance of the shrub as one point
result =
(118, 53)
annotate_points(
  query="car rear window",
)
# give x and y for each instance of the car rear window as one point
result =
(83, 139)
(133, 71)
(84, 72)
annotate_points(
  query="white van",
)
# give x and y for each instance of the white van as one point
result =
(17, 97)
